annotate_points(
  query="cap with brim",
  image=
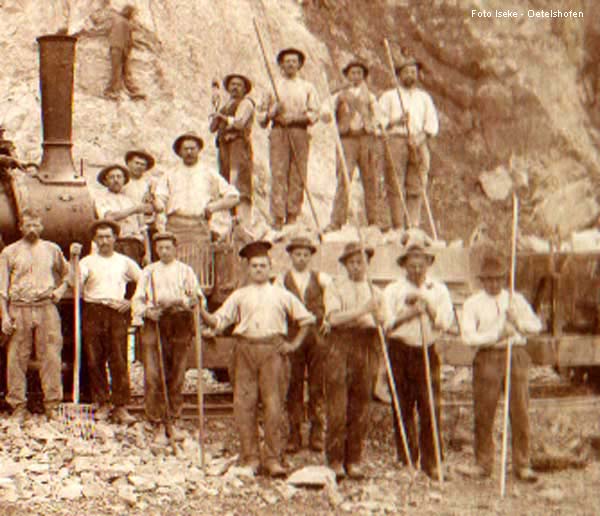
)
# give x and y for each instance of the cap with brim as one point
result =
(253, 249)
(301, 243)
(353, 248)
(164, 235)
(291, 50)
(492, 267)
(356, 64)
(228, 78)
(415, 250)
(101, 177)
(409, 61)
(139, 153)
(187, 136)
(101, 223)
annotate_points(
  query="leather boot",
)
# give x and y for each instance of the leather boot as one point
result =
(120, 415)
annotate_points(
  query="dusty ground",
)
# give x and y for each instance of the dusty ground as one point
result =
(41, 473)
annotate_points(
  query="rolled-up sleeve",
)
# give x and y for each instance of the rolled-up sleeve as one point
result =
(4, 275)
(139, 300)
(389, 306)
(444, 311)
(431, 123)
(332, 300)
(242, 115)
(228, 312)
(312, 104)
(470, 327)
(224, 189)
(524, 316)
(161, 193)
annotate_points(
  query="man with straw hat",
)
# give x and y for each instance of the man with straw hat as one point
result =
(260, 312)
(356, 117)
(489, 319)
(189, 194)
(351, 318)
(418, 309)
(166, 292)
(233, 125)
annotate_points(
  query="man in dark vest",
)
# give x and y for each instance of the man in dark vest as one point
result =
(308, 286)
(355, 112)
(233, 125)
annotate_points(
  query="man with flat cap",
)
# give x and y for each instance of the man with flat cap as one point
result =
(114, 204)
(356, 115)
(409, 126)
(233, 125)
(490, 318)
(162, 304)
(189, 194)
(352, 313)
(308, 286)
(418, 308)
(105, 319)
(290, 118)
(259, 312)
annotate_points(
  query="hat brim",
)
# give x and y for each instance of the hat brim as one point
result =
(103, 223)
(183, 137)
(150, 161)
(349, 67)
(301, 55)
(290, 247)
(412, 62)
(101, 177)
(401, 260)
(496, 275)
(246, 251)
(247, 82)
(158, 237)
(369, 251)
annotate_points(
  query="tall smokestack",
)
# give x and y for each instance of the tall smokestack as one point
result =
(57, 59)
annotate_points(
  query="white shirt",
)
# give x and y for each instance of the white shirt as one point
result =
(104, 278)
(297, 98)
(438, 298)
(361, 96)
(139, 191)
(419, 105)
(343, 295)
(484, 316)
(187, 190)
(132, 226)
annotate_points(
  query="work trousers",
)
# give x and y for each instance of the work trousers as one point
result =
(105, 339)
(176, 333)
(358, 151)
(310, 358)
(412, 174)
(260, 372)
(120, 72)
(489, 373)
(289, 170)
(236, 165)
(348, 382)
(408, 369)
(40, 325)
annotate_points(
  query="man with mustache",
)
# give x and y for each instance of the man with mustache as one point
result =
(32, 281)
(233, 125)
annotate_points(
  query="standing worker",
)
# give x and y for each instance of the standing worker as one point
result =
(418, 309)
(490, 317)
(165, 294)
(355, 112)
(120, 40)
(290, 117)
(32, 274)
(409, 127)
(351, 317)
(233, 125)
(260, 312)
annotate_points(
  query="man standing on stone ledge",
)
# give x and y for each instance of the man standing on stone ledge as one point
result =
(233, 124)
(409, 126)
(120, 41)
(188, 195)
(297, 109)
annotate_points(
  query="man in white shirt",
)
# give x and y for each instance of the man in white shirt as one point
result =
(296, 111)
(409, 127)
(115, 204)
(309, 287)
(490, 318)
(105, 319)
(189, 194)
(356, 115)
(418, 309)
(164, 297)
(260, 312)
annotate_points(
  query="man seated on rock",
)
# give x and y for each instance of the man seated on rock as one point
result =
(490, 318)
(260, 312)
(162, 307)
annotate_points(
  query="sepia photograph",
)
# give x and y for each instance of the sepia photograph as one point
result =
(287, 257)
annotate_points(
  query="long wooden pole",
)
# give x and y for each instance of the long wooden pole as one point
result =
(77, 327)
(380, 333)
(199, 383)
(423, 187)
(513, 269)
(290, 139)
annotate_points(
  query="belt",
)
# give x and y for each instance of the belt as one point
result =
(293, 125)
(398, 135)
(40, 302)
(354, 134)
(273, 339)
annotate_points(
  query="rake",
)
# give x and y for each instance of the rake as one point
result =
(77, 419)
